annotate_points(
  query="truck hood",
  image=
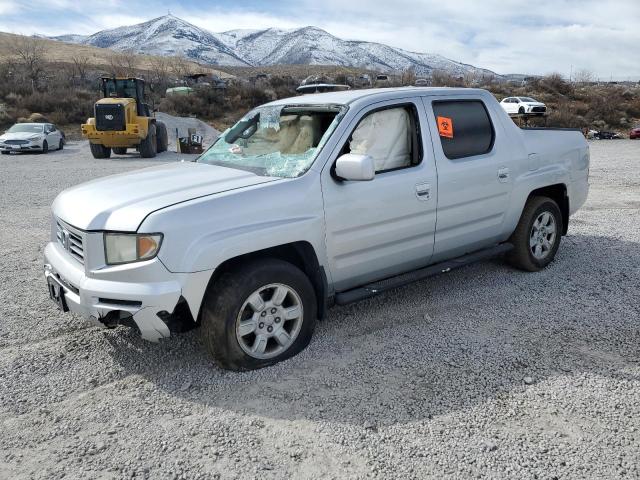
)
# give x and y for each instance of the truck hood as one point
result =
(121, 202)
(20, 136)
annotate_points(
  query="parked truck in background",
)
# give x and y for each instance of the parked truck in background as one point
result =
(307, 202)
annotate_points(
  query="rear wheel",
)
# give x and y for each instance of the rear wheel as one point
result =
(260, 314)
(537, 236)
(149, 144)
(119, 150)
(99, 151)
(162, 137)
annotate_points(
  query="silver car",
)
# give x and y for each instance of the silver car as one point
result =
(31, 137)
(308, 202)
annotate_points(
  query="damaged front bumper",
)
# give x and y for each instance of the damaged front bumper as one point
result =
(145, 292)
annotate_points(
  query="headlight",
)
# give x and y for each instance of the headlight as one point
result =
(130, 247)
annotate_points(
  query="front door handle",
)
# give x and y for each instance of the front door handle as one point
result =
(423, 191)
(503, 174)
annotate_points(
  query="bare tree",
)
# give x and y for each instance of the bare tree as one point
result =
(115, 63)
(472, 79)
(80, 66)
(584, 76)
(123, 64)
(179, 66)
(408, 76)
(159, 70)
(30, 54)
(130, 62)
(440, 78)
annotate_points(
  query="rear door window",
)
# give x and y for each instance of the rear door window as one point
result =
(464, 127)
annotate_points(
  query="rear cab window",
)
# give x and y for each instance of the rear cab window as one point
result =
(464, 127)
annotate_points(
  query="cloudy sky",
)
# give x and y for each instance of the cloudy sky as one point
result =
(516, 36)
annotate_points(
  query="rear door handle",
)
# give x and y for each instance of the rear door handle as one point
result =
(503, 174)
(423, 191)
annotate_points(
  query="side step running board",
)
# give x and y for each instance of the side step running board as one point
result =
(373, 289)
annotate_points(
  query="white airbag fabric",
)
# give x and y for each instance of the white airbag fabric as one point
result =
(385, 136)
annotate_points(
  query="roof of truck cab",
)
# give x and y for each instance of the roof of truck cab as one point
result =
(371, 95)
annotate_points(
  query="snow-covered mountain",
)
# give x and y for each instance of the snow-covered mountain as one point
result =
(166, 35)
(170, 35)
(68, 38)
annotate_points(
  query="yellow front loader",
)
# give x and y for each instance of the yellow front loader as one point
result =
(123, 120)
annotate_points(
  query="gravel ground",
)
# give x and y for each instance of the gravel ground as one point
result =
(485, 372)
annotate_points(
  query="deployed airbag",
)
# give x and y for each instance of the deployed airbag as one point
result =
(385, 136)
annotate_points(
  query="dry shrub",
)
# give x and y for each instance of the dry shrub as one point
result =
(62, 108)
(210, 103)
(37, 118)
(444, 79)
(203, 103)
(563, 116)
(554, 83)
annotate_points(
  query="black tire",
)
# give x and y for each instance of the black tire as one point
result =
(522, 255)
(45, 147)
(99, 151)
(223, 303)
(119, 150)
(5, 152)
(521, 110)
(61, 145)
(162, 137)
(149, 144)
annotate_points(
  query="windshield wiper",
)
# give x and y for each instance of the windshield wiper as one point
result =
(260, 171)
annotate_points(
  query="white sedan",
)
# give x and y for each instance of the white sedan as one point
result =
(31, 137)
(523, 105)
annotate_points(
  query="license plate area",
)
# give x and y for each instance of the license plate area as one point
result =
(56, 293)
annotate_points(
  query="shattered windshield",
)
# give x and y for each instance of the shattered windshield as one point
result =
(275, 141)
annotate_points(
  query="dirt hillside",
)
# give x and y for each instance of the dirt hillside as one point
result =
(64, 52)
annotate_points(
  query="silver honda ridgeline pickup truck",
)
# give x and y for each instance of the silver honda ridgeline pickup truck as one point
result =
(307, 202)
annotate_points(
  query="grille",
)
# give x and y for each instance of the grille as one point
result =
(71, 240)
(539, 109)
(110, 117)
(16, 142)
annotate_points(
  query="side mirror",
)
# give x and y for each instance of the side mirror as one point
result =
(352, 166)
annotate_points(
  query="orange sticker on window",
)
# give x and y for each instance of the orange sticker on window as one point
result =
(445, 127)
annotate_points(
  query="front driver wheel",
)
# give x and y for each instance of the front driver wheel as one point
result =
(45, 147)
(537, 236)
(259, 314)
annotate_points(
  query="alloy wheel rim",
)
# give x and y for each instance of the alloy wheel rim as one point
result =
(543, 235)
(269, 321)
